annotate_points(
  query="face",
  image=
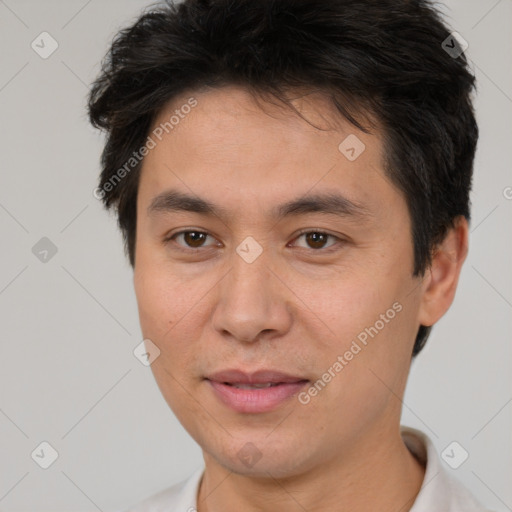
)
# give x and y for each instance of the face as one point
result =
(259, 278)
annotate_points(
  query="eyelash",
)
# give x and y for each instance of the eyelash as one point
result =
(301, 233)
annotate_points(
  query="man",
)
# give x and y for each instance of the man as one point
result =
(292, 181)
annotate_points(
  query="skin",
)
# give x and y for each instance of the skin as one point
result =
(296, 308)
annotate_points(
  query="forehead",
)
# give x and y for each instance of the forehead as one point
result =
(230, 143)
(219, 114)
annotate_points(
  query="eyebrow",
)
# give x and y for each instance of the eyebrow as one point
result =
(326, 203)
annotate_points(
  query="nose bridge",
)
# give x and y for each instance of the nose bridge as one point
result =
(249, 279)
(249, 300)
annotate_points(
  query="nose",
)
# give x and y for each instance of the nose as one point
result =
(252, 302)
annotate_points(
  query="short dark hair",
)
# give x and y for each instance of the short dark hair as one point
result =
(375, 59)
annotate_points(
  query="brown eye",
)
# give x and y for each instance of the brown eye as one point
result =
(194, 238)
(316, 239)
(190, 239)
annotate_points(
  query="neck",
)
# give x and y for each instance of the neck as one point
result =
(377, 472)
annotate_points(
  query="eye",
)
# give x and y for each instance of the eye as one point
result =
(317, 239)
(192, 239)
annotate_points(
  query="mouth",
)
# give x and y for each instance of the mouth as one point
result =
(253, 386)
(257, 392)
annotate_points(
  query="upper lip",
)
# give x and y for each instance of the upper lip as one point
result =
(257, 377)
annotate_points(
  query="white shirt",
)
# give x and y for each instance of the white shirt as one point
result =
(440, 492)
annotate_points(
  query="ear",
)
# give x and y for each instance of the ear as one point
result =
(440, 280)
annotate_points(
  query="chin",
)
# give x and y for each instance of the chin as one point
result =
(262, 459)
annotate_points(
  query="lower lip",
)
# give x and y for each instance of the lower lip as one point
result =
(256, 400)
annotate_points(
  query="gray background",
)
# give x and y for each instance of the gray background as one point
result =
(69, 325)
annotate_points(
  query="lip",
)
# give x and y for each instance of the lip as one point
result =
(254, 400)
(258, 377)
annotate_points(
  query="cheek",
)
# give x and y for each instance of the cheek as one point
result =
(168, 318)
(367, 317)
(342, 307)
(162, 301)
(154, 300)
(173, 310)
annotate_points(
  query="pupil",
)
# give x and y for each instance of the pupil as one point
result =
(195, 237)
(316, 238)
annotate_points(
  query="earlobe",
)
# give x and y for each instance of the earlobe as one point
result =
(440, 281)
